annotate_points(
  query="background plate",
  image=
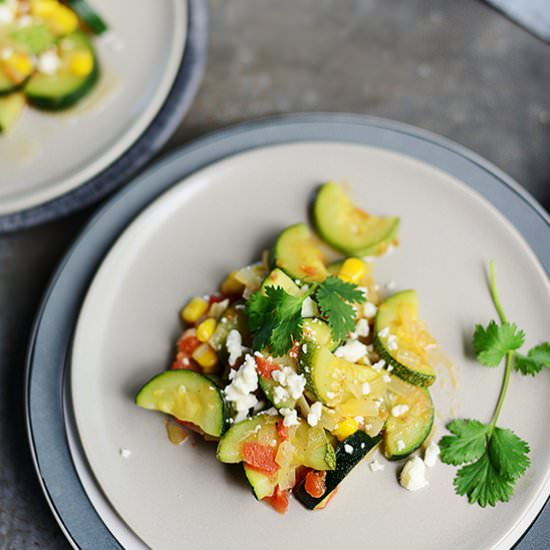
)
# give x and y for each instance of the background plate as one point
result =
(46, 426)
(119, 127)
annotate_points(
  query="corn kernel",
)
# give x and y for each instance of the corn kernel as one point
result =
(17, 66)
(206, 329)
(206, 357)
(345, 428)
(81, 63)
(61, 20)
(232, 285)
(194, 310)
(353, 270)
(43, 8)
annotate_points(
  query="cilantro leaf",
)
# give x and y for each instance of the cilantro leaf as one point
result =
(468, 443)
(536, 358)
(491, 344)
(508, 453)
(481, 482)
(275, 319)
(335, 298)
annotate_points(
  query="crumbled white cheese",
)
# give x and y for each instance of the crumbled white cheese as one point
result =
(391, 342)
(431, 453)
(351, 351)
(379, 365)
(185, 361)
(48, 62)
(290, 417)
(125, 453)
(390, 368)
(364, 290)
(314, 414)
(6, 14)
(384, 333)
(271, 412)
(234, 346)
(359, 419)
(289, 379)
(258, 406)
(399, 410)
(413, 475)
(386, 378)
(279, 395)
(330, 394)
(400, 445)
(362, 329)
(304, 348)
(365, 388)
(348, 448)
(369, 310)
(376, 466)
(309, 308)
(239, 392)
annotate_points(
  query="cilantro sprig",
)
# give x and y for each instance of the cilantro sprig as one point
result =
(275, 317)
(492, 459)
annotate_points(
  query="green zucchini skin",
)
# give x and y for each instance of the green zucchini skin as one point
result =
(215, 423)
(362, 445)
(295, 250)
(412, 430)
(42, 94)
(92, 19)
(333, 215)
(383, 319)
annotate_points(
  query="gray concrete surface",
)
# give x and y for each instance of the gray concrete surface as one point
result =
(456, 68)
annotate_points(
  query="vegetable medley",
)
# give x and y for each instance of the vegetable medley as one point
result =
(300, 367)
(46, 56)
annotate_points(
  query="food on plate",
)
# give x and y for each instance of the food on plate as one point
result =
(47, 58)
(301, 366)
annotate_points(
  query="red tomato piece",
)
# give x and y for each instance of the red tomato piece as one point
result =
(215, 298)
(265, 367)
(260, 457)
(315, 483)
(282, 431)
(309, 270)
(278, 501)
(188, 344)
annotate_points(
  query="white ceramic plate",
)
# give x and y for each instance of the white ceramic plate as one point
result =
(219, 219)
(47, 155)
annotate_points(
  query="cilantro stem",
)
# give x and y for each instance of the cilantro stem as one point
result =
(509, 355)
(494, 294)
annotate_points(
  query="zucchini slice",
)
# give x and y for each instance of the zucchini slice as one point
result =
(7, 86)
(90, 17)
(296, 253)
(64, 88)
(261, 484)
(10, 109)
(335, 381)
(401, 339)
(189, 396)
(405, 433)
(349, 229)
(232, 318)
(318, 332)
(279, 278)
(349, 453)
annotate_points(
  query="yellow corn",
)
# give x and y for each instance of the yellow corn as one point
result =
(43, 8)
(194, 310)
(81, 63)
(232, 285)
(345, 428)
(17, 66)
(61, 20)
(353, 270)
(206, 329)
(206, 357)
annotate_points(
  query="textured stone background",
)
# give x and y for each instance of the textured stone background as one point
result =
(456, 68)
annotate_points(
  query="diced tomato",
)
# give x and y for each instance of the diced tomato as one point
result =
(215, 298)
(260, 457)
(294, 350)
(301, 473)
(278, 501)
(309, 270)
(265, 367)
(325, 502)
(315, 483)
(282, 431)
(188, 344)
(184, 362)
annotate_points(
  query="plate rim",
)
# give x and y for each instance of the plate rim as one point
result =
(203, 152)
(163, 124)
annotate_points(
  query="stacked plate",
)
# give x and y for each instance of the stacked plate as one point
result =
(90, 150)
(110, 317)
